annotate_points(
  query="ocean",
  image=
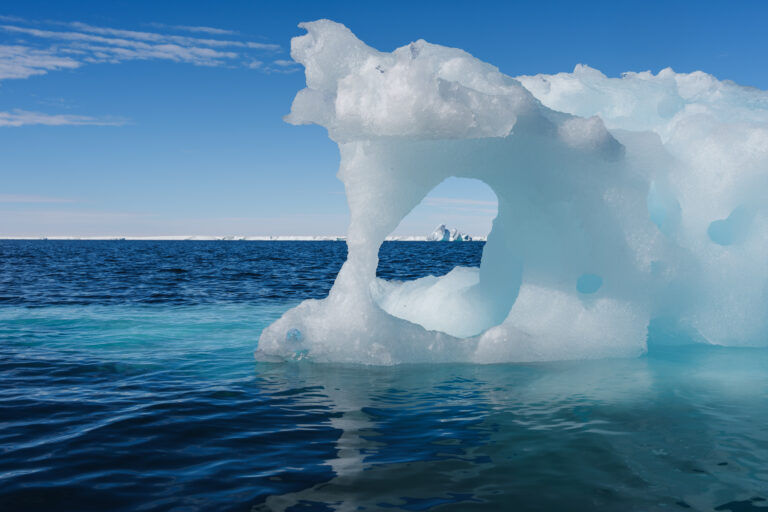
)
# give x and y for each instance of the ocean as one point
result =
(128, 382)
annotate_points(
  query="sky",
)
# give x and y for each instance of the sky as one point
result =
(139, 118)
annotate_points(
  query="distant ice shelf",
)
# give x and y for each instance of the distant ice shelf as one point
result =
(273, 238)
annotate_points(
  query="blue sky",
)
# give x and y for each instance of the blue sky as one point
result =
(165, 118)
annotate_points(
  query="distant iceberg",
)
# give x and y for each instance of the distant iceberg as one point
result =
(443, 234)
(625, 206)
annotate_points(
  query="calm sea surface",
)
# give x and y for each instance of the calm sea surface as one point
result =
(127, 382)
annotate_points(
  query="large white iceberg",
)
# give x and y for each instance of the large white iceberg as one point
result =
(624, 203)
(442, 234)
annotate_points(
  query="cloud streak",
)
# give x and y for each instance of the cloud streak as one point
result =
(43, 47)
(464, 206)
(35, 48)
(457, 201)
(18, 61)
(31, 199)
(18, 117)
(204, 30)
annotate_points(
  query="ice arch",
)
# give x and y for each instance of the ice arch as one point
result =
(465, 204)
(457, 303)
(614, 179)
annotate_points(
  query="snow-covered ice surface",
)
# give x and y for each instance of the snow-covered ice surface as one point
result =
(627, 206)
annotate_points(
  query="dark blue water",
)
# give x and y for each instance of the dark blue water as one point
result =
(53, 273)
(127, 382)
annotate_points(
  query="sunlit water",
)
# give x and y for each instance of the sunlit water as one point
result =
(127, 382)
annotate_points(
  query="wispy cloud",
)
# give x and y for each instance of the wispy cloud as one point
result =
(28, 199)
(34, 48)
(65, 222)
(283, 66)
(96, 44)
(456, 201)
(203, 30)
(24, 118)
(465, 206)
(18, 61)
(41, 47)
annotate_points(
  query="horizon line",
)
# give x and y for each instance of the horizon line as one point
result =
(258, 238)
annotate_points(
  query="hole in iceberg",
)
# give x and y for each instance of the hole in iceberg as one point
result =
(463, 206)
(445, 294)
(732, 230)
(589, 283)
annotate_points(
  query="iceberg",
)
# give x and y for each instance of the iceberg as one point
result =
(631, 210)
(443, 234)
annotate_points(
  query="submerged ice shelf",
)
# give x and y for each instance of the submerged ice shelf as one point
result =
(626, 206)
